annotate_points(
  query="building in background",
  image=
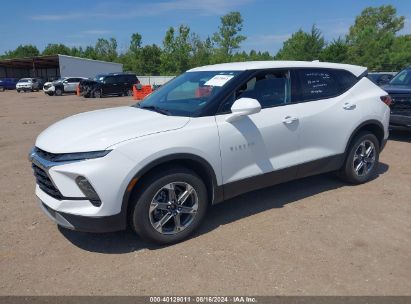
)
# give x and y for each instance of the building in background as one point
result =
(55, 66)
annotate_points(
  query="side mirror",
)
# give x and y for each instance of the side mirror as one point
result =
(243, 107)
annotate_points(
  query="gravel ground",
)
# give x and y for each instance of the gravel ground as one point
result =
(315, 236)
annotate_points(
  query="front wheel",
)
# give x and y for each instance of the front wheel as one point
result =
(170, 207)
(97, 94)
(361, 163)
(58, 92)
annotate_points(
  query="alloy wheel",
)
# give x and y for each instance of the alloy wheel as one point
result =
(364, 158)
(173, 208)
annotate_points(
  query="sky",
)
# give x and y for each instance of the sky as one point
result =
(267, 23)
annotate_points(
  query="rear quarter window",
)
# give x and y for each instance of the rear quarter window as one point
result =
(318, 84)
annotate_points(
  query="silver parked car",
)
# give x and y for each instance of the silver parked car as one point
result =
(29, 84)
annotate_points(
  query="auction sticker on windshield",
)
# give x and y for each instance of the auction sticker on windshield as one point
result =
(219, 80)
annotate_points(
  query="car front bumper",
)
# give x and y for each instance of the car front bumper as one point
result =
(49, 89)
(85, 223)
(109, 176)
(24, 87)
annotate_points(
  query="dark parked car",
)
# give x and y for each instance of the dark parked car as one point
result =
(380, 78)
(120, 84)
(8, 84)
(399, 89)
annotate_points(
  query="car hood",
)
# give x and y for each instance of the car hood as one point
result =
(397, 89)
(98, 130)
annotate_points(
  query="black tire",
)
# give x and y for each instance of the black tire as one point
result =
(97, 94)
(141, 217)
(368, 169)
(18, 91)
(58, 92)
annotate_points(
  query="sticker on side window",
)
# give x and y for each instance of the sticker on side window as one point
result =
(218, 80)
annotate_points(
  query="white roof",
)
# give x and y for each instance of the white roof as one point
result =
(256, 65)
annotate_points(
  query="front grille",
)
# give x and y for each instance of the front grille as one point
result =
(46, 155)
(401, 101)
(44, 182)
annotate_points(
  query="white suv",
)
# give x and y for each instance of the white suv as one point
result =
(210, 134)
(62, 85)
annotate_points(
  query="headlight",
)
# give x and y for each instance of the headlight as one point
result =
(80, 156)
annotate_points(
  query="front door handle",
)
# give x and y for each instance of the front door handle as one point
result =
(289, 119)
(349, 106)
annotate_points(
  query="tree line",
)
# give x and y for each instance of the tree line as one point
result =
(372, 41)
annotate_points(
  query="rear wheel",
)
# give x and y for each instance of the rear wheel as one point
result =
(170, 207)
(362, 159)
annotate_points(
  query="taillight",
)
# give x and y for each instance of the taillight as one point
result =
(386, 99)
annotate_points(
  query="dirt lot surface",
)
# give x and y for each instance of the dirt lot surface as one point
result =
(315, 236)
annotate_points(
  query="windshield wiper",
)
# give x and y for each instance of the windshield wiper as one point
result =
(155, 109)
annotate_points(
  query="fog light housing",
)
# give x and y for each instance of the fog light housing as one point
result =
(88, 190)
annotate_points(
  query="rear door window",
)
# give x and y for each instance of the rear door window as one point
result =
(317, 84)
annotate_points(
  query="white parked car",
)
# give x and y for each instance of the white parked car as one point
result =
(208, 135)
(29, 84)
(62, 85)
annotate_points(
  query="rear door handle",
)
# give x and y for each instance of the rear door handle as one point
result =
(289, 119)
(349, 106)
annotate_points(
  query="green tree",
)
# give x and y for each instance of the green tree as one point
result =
(175, 57)
(54, 49)
(382, 19)
(202, 51)
(302, 46)
(106, 49)
(77, 51)
(336, 51)
(149, 61)
(22, 51)
(135, 43)
(373, 42)
(228, 38)
(400, 56)
(90, 53)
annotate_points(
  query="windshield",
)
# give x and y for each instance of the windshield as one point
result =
(99, 78)
(25, 80)
(402, 78)
(188, 93)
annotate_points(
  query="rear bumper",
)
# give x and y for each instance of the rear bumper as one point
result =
(400, 120)
(85, 223)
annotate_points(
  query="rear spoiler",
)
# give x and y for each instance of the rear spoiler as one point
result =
(363, 74)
